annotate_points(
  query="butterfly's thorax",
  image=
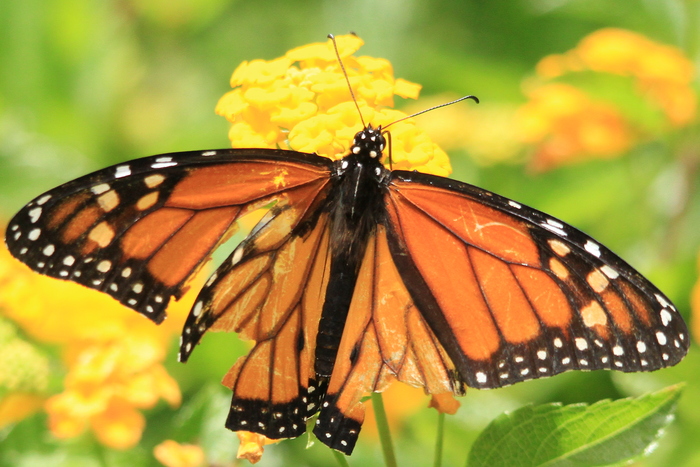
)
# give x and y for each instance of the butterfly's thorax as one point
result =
(356, 210)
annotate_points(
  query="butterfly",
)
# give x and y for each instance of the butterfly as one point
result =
(356, 276)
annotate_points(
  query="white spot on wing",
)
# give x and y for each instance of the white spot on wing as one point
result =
(197, 309)
(209, 153)
(481, 377)
(122, 171)
(662, 301)
(101, 188)
(554, 229)
(665, 317)
(34, 214)
(104, 265)
(211, 280)
(593, 248)
(514, 204)
(581, 343)
(161, 165)
(49, 250)
(43, 199)
(610, 272)
(34, 234)
(661, 338)
(555, 223)
(237, 255)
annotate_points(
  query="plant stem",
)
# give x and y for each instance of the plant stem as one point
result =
(383, 429)
(440, 439)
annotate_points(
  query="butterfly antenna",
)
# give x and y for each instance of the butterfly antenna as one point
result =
(347, 79)
(474, 98)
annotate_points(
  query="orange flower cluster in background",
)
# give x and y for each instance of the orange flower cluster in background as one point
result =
(695, 306)
(113, 355)
(301, 101)
(565, 124)
(661, 72)
(173, 454)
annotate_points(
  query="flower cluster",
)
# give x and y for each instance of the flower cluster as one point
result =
(301, 101)
(564, 123)
(113, 356)
(661, 72)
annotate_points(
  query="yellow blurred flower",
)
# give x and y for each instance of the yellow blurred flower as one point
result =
(565, 125)
(16, 406)
(484, 132)
(24, 367)
(113, 355)
(173, 454)
(301, 101)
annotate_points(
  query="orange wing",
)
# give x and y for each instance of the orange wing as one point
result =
(270, 290)
(513, 294)
(138, 231)
(385, 338)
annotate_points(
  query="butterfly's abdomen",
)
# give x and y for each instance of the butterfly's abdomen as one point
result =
(356, 208)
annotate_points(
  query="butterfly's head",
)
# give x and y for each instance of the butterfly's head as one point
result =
(369, 142)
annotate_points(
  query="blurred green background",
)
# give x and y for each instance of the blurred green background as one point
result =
(86, 84)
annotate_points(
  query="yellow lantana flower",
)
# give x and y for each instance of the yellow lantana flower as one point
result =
(113, 356)
(301, 102)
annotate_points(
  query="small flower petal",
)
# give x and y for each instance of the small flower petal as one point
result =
(445, 403)
(251, 447)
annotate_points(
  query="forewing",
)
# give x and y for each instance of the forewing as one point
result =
(513, 294)
(139, 230)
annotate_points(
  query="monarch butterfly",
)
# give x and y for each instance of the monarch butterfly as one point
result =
(356, 276)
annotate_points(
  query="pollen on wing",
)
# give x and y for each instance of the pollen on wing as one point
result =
(289, 103)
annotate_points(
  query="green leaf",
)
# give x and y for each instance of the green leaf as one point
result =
(607, 432)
